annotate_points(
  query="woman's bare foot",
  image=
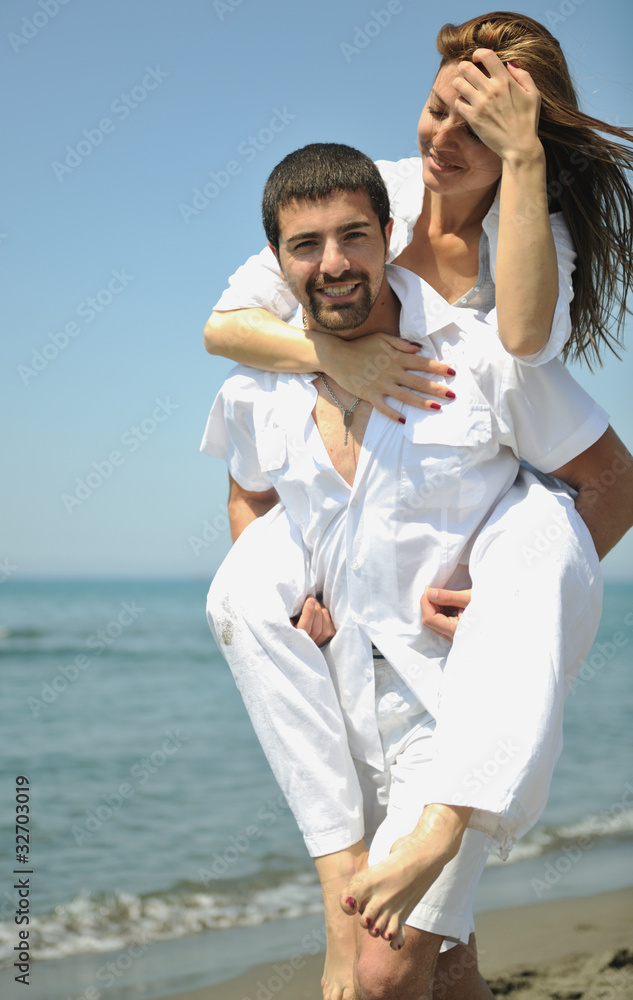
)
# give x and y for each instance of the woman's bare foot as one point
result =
(385, 894)
(334, 872)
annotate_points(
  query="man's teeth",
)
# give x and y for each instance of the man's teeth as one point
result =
(339, 290)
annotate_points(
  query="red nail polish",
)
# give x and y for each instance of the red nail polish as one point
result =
(451, 371)
(367, 922)
(402, 420)
(389, 937)
(450, 394)
(435, 406)
(351, 903)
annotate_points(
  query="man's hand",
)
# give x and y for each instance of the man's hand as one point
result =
(315, 620)
(442, 610)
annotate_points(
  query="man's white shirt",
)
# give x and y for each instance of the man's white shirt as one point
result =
(420, 494)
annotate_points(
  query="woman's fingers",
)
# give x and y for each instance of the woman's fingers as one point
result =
(381, 365)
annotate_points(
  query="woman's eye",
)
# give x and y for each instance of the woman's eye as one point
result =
(436, 113)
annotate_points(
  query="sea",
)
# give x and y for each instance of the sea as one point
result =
(143, 836)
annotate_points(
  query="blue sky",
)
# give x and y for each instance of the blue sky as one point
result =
(113, 115)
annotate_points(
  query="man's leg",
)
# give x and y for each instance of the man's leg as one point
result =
(445, 912)
(288, 692)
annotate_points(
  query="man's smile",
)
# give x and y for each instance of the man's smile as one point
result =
(338, 291)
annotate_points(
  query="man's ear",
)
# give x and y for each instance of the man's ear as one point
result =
(388, 232)
(276, 253)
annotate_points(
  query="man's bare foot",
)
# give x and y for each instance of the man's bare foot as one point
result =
(385, 894)
(334, 872)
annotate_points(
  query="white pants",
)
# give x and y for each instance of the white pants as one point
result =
(532, 619)
(394, 800)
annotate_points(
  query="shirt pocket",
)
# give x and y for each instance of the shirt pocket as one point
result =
(440, 457)
(272, 448)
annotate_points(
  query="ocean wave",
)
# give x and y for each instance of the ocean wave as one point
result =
(608, 824)
(97, 924)
(93, 923)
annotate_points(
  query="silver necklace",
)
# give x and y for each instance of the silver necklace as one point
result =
(348, 415)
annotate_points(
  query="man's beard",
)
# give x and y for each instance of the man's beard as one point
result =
(346, 315)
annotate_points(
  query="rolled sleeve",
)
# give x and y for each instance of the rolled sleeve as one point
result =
(230, 434)
(552, 418)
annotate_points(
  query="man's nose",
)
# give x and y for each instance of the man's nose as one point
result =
(334, 260)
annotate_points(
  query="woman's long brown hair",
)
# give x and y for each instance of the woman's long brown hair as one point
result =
(586, 174)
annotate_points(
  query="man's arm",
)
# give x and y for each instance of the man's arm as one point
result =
(245, 506)
(603, 477)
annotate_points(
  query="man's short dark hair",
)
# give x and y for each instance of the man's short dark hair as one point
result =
(314, 173)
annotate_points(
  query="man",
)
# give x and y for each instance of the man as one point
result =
(376, 513)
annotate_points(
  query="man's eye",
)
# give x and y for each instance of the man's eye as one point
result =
(305, 245)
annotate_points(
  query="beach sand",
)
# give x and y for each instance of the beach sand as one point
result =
(570, 949)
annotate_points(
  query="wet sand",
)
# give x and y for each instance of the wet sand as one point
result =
(571, 949)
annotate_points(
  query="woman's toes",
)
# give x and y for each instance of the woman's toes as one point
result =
(348, 903)
(397, 939)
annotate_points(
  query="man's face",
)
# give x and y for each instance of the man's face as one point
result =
(332, 254)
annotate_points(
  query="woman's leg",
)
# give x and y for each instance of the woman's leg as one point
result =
(534, 613)
(535, 608)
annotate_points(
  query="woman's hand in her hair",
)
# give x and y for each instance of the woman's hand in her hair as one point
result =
(380, 365)
(500, 103)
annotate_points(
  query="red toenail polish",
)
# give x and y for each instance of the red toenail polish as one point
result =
(389, 937)
(367, 922)
(350, 902)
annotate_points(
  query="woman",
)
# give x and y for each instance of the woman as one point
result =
(491, 168)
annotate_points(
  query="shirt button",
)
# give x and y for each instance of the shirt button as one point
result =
(353, 504)
(464, 298)
(477, 288)
(369, 674)
(355, 565)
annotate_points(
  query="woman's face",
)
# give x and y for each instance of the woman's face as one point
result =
(455, 161)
